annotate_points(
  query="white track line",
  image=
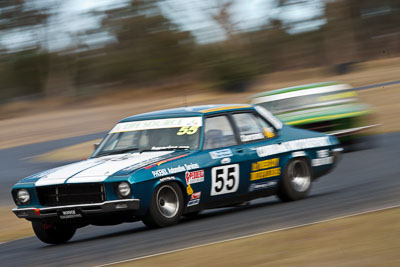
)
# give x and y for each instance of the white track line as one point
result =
(251, 235)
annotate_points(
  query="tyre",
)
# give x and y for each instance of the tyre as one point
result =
(53, 233)
(166, 206)
(296, 181)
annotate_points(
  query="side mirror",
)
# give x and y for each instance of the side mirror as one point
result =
(96, 145)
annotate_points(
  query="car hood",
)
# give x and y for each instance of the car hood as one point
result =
(97, 169)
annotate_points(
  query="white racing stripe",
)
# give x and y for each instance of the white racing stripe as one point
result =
(304, 92)
(251, 235)
(97, 169)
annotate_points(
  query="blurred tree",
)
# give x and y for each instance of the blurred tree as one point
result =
(362, 29)
(148, 46)
(20, 15)
(229, 63)
(23, 67)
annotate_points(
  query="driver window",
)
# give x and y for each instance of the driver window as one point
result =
(218, 133)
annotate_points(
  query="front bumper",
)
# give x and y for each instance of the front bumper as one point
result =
(352, 131)
(74, 211)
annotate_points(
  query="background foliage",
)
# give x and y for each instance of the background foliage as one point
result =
(144, 46)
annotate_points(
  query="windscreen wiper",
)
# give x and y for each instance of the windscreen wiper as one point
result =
(164, 149)
(119, 151)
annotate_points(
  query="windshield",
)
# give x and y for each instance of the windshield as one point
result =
(152, 135)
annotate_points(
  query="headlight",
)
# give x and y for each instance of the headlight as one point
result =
(23, 196)
(124, 189)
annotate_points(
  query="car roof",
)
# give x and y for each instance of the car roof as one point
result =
(190, 111)
(299, 91)
(295, 88)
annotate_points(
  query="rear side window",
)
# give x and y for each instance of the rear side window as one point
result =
(248, 126)
(218, 133)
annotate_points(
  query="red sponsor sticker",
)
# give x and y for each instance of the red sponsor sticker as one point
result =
(194, 177)
(158, 163)
(195, 195)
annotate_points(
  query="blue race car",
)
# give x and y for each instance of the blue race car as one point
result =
(158, 166)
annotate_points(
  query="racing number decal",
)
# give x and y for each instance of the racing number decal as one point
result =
(225, 179)
(187, 130)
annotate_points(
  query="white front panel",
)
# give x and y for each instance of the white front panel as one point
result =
(96, 170)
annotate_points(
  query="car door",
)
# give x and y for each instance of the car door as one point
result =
(257, 173)
(225, 154)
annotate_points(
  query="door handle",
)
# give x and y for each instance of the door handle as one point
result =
(239, 150)
(279, 142)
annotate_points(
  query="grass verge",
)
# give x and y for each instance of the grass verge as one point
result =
(11, 227)
(51, 119)
(365, 240)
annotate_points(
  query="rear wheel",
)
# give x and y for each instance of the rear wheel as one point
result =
(296, 181)
(166, 206)
(53, 233)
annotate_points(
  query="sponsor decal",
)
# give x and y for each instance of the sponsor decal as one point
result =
(265, 174)
(189, 130)
(173, 170)
(274, 149)
(323, 153)
(219, 154)
(164, 161)
(323, 158)
(225, 160)
(193, 202)
(194, 177)
(195, 195)
(189, 190)
(298, 154)
(224, 179)
(260, 186)
(166, 179)
(69, 214)
(265, 169)
(251, 137)
(157, 124)
(321, 161)
(265, 164)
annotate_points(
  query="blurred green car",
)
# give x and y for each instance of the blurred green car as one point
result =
(329, 107)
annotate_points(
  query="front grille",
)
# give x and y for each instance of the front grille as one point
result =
(70, 194)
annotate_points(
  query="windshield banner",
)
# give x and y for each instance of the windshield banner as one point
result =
(157, 124)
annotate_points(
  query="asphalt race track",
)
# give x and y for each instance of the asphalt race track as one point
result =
(364, 180)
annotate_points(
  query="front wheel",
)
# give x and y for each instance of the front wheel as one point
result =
(53, 233)
(296, 181)
(166, 206)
